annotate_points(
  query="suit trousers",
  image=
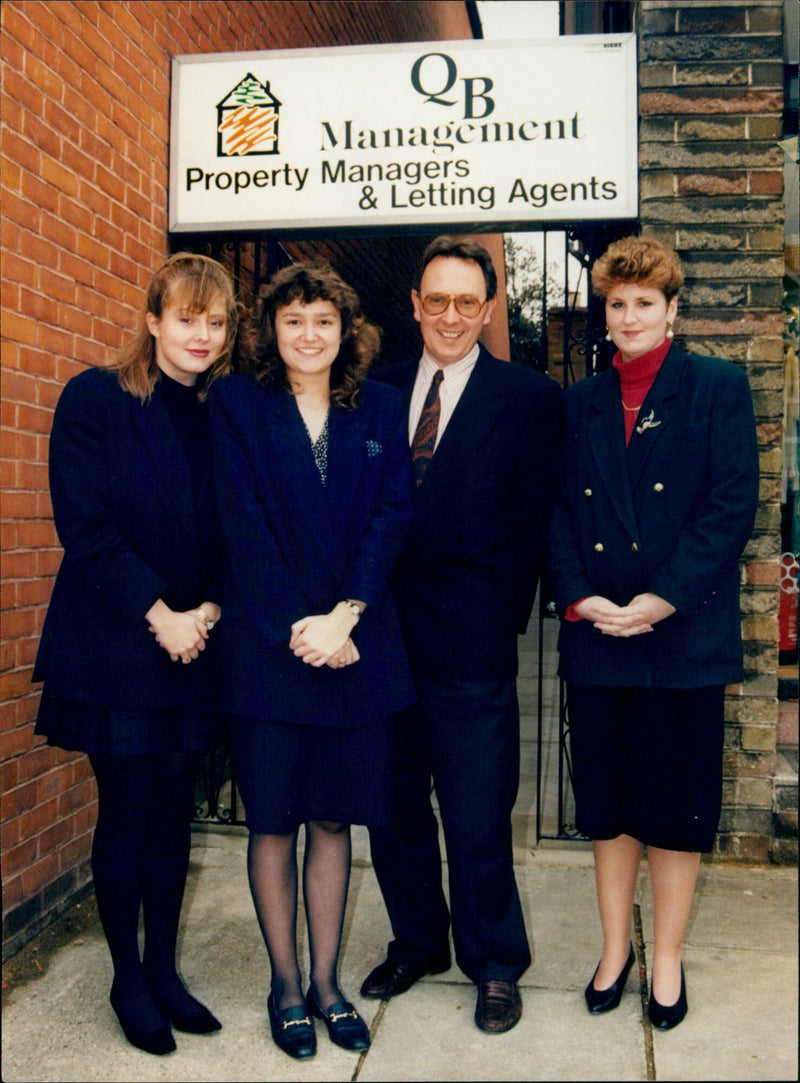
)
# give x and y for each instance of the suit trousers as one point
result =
(464, 736)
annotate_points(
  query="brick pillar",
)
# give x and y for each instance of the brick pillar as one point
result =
(710, 103)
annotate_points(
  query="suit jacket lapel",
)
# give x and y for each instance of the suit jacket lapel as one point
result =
(654, 417)
(475, 412)
(327, 510)
(407, 386)
(607, 441)
(167, 456)
(347, 435)
(294, 459)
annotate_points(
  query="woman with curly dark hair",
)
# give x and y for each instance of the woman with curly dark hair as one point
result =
(313, 479)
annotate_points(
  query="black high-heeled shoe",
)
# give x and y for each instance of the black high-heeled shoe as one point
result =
(345, 1026)
(665, 1018)
(157, 1040)
(184, 1011)
(292, 1030)
(605, 1000)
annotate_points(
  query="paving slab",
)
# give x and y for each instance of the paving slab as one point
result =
(742, 1020)
(741, 961)
(741, 977)
(428, 1034)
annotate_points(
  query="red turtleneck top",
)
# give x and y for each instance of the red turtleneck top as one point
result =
(635, 380)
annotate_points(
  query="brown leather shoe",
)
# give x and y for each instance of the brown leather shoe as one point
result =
(390, 979)
(499, 1006)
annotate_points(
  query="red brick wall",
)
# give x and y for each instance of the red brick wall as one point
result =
(85, 107)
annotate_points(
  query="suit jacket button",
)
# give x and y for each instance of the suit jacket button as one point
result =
(635, 547)
(598, 547)
(587, 492)
(658, 487)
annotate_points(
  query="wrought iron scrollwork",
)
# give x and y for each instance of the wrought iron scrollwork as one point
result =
(216, 796)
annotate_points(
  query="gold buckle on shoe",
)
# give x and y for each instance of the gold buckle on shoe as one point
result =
(336, 1016)
(296, 1023)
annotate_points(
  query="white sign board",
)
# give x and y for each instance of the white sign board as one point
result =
(479, 135)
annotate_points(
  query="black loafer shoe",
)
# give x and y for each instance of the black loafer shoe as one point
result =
(499, 1006)
(605, 1000)
(292, 1030)
(667, 1018)
(390, 978)
(345, 1026)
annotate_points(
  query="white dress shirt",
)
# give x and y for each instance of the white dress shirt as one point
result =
(454, 381)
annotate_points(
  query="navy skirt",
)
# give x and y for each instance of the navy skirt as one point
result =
(289, 774)
(109, 731)
(647, 762)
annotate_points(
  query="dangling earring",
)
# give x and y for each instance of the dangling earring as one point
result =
(608, 336)
(670, 332)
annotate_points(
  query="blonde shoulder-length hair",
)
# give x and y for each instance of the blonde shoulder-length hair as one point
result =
(194, 283)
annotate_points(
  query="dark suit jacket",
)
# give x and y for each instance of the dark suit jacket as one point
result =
(294, 548)
(470, 566)
(670, 516)
(125, 514)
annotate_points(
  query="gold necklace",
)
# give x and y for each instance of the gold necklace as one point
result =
(633, 409)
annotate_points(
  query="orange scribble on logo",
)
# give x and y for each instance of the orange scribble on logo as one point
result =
(245, 128)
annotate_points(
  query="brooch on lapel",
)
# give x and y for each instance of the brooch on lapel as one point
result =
(373, 448)
(647, 423)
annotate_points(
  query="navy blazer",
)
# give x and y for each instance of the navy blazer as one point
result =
(294, 548)
(125, 515)
(469, 569)
(670, 516)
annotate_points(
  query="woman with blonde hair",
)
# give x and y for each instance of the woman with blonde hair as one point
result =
(126, 654)
(658, 498)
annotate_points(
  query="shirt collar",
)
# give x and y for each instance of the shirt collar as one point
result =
(428, 366)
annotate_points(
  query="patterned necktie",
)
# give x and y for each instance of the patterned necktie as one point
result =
(428, 426)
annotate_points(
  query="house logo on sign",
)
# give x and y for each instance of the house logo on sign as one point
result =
(247, 120)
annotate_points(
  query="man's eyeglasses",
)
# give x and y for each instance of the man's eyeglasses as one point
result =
(466, 305)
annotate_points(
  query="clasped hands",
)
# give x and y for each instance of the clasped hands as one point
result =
(633, 619)
(324, 638)
(182, 634)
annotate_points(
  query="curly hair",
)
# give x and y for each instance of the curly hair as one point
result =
(643, 260)
(313, 281)
(195, 283)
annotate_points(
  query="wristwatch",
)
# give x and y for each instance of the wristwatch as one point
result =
(354, 609)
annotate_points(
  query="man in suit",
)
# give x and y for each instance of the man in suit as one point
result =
(484, 435)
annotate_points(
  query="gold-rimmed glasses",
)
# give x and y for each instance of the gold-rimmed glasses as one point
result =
(434, 304)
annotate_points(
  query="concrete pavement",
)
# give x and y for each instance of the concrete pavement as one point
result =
(741, 971)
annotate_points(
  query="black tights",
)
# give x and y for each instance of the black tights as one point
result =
(140, 857)
(272, 869)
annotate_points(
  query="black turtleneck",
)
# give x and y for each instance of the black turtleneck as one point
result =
(189, 417)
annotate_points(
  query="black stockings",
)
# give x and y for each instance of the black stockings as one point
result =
(140, 857)
(272, 868)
